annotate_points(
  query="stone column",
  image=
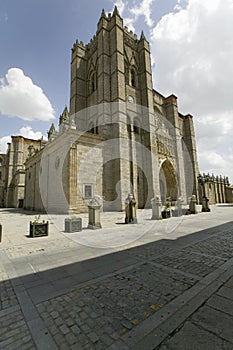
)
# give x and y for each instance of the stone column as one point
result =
(223, 190)
(156, 208)
(180, 202)
(192, 205)
(94, 208)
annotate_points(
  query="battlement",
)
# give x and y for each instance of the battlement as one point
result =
(78, 44)
(130, 33)
(92, 45)
(105, 21)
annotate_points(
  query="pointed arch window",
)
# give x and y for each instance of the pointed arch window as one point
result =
(126, 72)
(133, 78)
(93, 82)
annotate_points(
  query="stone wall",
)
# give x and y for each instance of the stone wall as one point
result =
(18, 151)
(2, 179)
(215, 188)
(229, 194)
(56, 177)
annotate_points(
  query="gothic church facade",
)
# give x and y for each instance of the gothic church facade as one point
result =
(119, 136)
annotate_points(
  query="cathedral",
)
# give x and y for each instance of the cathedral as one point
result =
(118, 136)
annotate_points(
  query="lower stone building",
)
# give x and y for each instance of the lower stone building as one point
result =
(12, 185)
(216, 188)
(2, 179)
(54, 180)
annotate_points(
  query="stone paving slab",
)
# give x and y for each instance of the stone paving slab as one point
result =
(210, 326)
(193, 337)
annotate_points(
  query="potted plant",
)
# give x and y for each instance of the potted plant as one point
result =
(166, 212)
(38, 228)
(73, 224)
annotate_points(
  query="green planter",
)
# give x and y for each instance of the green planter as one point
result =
(73, 225)
(166, 214)
(38, 229)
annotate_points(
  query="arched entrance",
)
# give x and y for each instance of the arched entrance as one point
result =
(168, 182)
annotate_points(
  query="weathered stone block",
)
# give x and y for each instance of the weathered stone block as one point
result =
(73, 224)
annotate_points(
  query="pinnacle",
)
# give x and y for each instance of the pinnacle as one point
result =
(103, 14)
(116, 12)
(142, 36)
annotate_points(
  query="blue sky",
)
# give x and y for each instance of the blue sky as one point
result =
(36, 38)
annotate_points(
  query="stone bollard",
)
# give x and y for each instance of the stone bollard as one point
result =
(130, 210)
(0, 233)
(192, 205)
(94, 208)
(205, 204)
(156, 208)
(179, 206)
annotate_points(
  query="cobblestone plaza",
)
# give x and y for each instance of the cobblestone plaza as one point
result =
(162, 291)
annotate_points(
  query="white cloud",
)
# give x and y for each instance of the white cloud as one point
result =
(3, 143)
(193, 49)
(121, 6)
(213, 162)
(20, 97)
(129, 22)
(144, 8)
(25, 131)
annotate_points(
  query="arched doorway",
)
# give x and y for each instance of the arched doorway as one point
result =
(168, 181)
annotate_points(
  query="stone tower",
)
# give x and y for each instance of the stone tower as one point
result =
(147, 139)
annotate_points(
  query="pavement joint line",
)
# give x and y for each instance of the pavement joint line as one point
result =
(177, 318)
(149, 333)
(202, 327)
(171, 269)
(39, 332)
(208, 255)
(226, 274)
(9, 310)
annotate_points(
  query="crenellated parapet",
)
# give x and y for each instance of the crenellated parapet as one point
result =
(212, 178)
(213, 187)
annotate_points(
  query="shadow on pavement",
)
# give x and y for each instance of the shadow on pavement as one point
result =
(111, 294)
